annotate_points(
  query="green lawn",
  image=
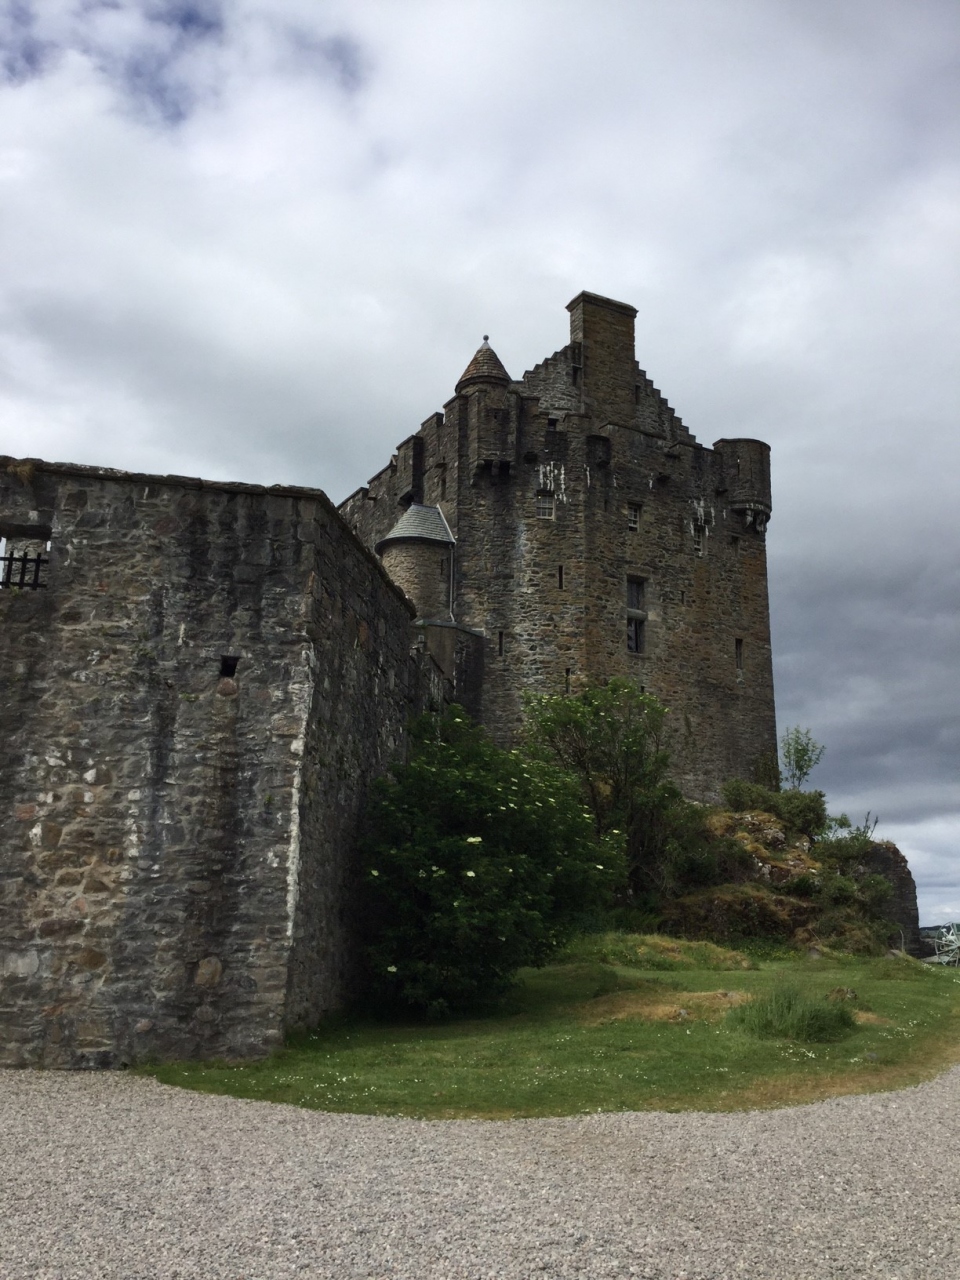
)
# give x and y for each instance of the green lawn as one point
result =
(592, 1036)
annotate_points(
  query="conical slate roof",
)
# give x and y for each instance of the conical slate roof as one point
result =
(484, 367)
(419, 524)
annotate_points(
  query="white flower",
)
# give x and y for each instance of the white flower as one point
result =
(391, 968)
(474, 839)
(374, 873)
(470, 873)
(598, 866)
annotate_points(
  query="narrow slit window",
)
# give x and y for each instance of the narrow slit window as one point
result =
(738, 653)
(575, 375)
(443, 566)
(546, 505)
(636, 615)
(560, 576)
(500, 643)
(634, 512)
(699, 538)
(566, 681)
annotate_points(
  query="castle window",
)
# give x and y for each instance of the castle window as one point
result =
(546, 505)
(551, 424)
(228, 667)
(443, 480)
(443, 566)
(738, 653)
(699, 538)
(636, 615)
(23, 558)
(575, 375)
(634, 512)
(566, 681)
(635, 636)
(560, 576)
(500, 643)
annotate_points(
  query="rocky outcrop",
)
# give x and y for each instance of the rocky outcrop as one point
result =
(884, 859)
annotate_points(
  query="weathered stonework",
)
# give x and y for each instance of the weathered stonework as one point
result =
(583, 509)
(201, 679)
(192, 708)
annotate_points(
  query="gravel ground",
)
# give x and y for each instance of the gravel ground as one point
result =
(107, 1175)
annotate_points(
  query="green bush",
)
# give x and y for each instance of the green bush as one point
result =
(801, 812)
(476, 862)
(786, 1013)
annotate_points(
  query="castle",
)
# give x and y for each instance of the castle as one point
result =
(201, 679)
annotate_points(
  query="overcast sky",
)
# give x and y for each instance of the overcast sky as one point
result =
(260, 241)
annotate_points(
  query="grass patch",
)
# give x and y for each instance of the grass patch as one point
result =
(595, 1035)
(787, 1014)
(653, 951)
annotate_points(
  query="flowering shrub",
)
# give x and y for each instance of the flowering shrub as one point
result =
(476, 861)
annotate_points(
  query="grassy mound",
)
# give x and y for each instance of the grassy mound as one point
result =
(652, 951)
(734, 911)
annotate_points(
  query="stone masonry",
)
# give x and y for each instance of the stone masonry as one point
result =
(201, 679)
(193, 703)
(593, 537)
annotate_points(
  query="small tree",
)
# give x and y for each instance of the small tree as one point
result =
(609, 739)
(801, 755)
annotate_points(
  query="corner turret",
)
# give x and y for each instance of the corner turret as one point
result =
(417, 553)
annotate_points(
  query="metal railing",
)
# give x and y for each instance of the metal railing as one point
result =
(22, 572)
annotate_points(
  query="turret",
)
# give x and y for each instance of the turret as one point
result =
(417, 553)
(491, 412)
(746, 479)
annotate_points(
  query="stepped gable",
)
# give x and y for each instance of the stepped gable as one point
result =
(419, 524)
(486, 366)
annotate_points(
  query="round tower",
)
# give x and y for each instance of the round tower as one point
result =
(417, 553)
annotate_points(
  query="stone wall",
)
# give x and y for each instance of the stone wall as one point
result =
(192, 708)
(565, 487)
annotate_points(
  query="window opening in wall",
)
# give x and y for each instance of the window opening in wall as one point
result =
(575, 375)
(500, 643)
(546, 504)
(683, 597)
(738, 653)
(634, 512)
(566, 681)
(443, 566)
(551, 424)
(560, 576)
(228, 666)
(22, 558)
(635, 593)
(443, 482)
(636, 614)
(635, 636)
(699, 538)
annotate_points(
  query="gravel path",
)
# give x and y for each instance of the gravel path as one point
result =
(107, 1175)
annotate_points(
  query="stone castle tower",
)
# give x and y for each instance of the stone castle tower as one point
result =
(570, 528)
